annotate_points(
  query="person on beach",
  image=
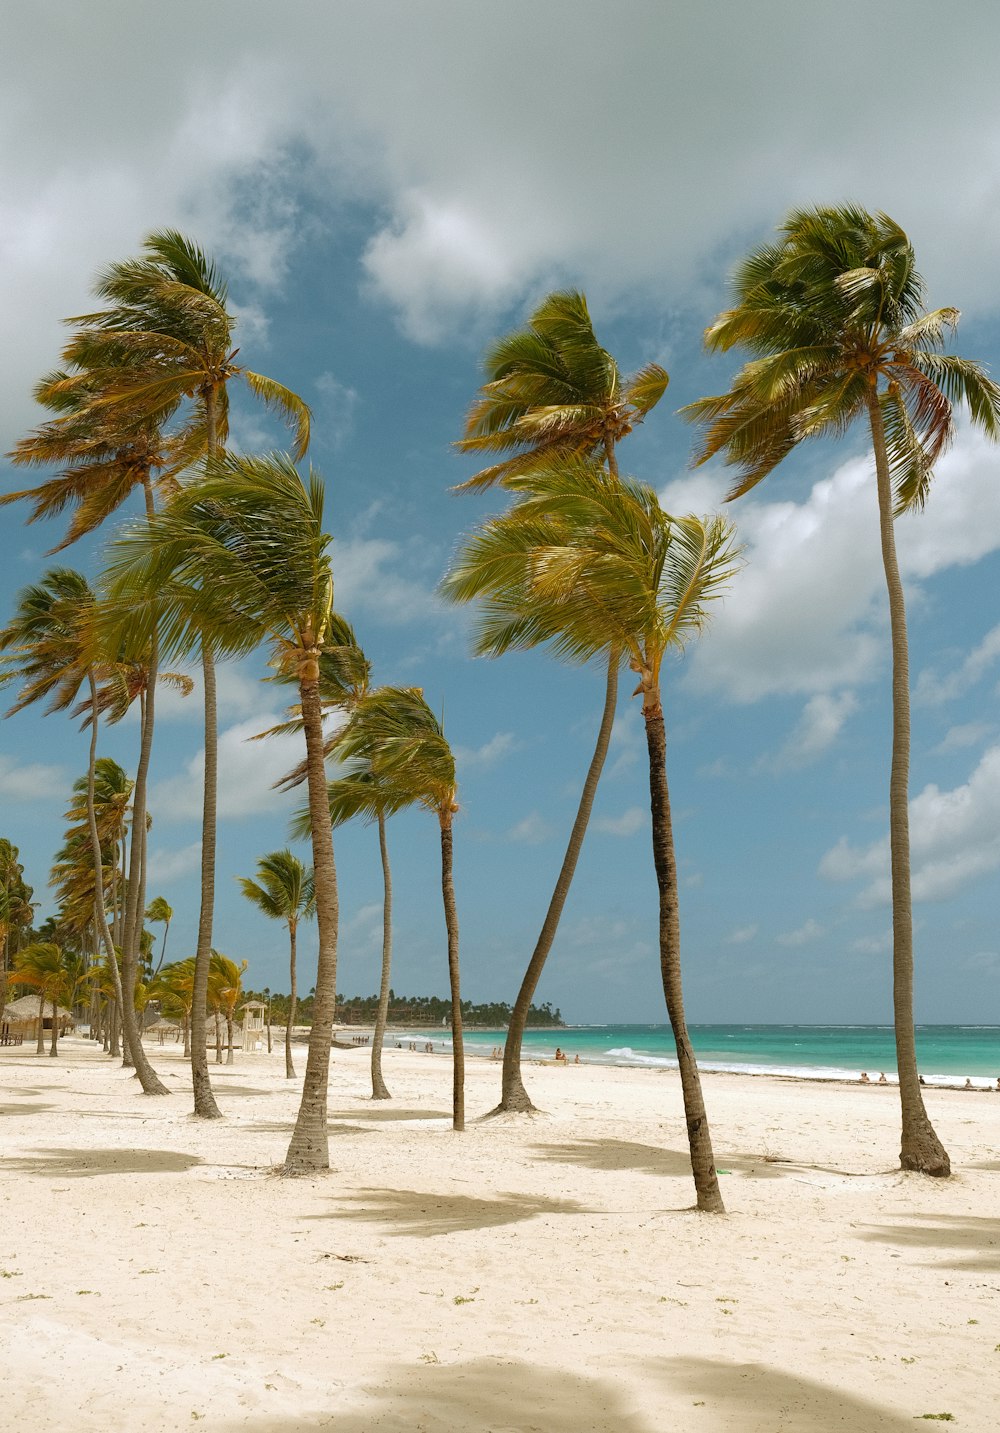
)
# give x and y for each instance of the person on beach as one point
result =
(968, 1083)
(864, 1078)
(560, 1056)
(882, 1079)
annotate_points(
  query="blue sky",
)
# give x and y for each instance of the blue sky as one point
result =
(390, 186)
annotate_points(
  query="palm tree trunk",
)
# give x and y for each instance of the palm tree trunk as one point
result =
(151, 1084)
(513, 1095)
(451, 924)
(706, 1181)
(40, 1043)
(292, 1002)
(379, 1089)
(921, 1149)
(163, 949)
(229, 1037)
(204, 1100)
(95, 847)
(218, 1037)
(309, 1149)
(54, 1043)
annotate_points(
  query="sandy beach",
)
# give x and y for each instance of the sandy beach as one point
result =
(540, 1273)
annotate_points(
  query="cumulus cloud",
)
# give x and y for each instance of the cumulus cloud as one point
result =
(807, 613)
(742, 935)
(485, 179)
(532, 831)
(627, 824)
(28, 781)
(384, 580)
(488, 754)
(933, 689)
(954, 840)
(969, 733)
(166, 866)
(335, 409)
(247, 771)
(811, 930)
(820, 724)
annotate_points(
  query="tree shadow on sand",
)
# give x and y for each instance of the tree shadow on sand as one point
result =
(380, 1112)
(73, 1163)
(428, 1215)
(753, 1398)
(481, 1396)
(29, 1107)
(954, 1233)
(610, 1155)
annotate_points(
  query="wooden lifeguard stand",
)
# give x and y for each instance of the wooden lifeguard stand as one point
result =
(253, 1024)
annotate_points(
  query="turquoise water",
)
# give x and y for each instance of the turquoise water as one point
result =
(945, 1053)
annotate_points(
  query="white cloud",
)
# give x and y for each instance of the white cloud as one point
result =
(628, 741)
(807, 613)
(820, 724)
(954, 840)
(168, 866)
(933, 690)
(627, 824)
(741, 935)
(247, 771)
(969, 733)
(873, 944)
(804, 935)
(487, 755)
(333, 413)
(27, 781)
(532, 831)
(370, 576)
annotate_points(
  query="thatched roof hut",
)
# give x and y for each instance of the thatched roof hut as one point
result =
(22, 1014)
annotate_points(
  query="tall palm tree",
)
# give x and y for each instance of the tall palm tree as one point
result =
(164, 341)
(173, 986)
(553, 392)
(832, 316)
(240, 559)
(586, 564)
(284, 891)
(16, 909)
(397, 755)
(160, 910)
(51, 648)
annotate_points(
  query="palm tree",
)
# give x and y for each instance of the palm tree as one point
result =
(553, 392)
(159, 910)
(238, 559)
(586, 565)
(173, 985)
(16, 909)
(285, 892)
(166, 339)
(397, 755)
(42, 966)
(51, 648)
(832, 315)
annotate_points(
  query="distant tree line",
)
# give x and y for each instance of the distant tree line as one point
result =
(409, 1010)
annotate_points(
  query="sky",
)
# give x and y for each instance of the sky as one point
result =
(387, 188)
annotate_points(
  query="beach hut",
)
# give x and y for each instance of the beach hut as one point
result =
(13, 1027)
(164, 1030)
(23, 1012)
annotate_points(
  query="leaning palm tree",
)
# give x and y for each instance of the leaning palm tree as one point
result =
(160, 910)
(832, 316)
(552, 392)
(169, 331)
(41, 965)
(397, 755)
(52, 649)
(284, 891)
(237, 560)
(586, 564)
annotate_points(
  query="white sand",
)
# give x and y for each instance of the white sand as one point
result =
(532, 1274)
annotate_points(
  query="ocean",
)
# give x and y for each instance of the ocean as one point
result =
(946, 1054)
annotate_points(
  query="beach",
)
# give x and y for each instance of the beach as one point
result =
(540, 1272)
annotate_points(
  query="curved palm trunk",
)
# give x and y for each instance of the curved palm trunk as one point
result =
(292, 1002)
(54, 1043)
(309, 1150)
(163, 949)
(148, 1078)
(218, 1036)
(204, 1100)
(40, 1041)
(379, 1089)
(920, 1147)
(95, 847)
(187, 1034)
(513, 1095)
(706, 1182)
(451, 924)
(229, 1038)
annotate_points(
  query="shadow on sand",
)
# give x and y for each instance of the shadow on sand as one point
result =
(428, 1215)
(614, 1154)
(954, 1234)
(72, 1163)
